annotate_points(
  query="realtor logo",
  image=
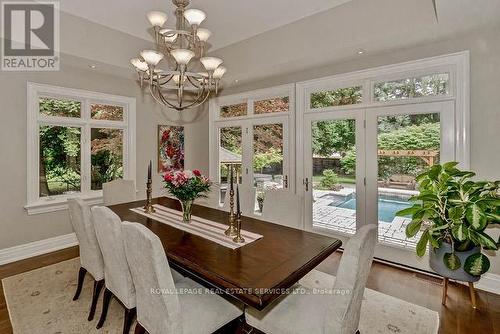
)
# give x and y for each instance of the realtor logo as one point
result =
(30, 36)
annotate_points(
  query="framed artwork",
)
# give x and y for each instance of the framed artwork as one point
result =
(170, 148)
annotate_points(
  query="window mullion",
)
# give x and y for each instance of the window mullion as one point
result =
(85, 148)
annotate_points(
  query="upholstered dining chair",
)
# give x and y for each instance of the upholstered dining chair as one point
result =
(90, 254)
(282, 207)
(118, 191)
(160, 310)
(118, 281)
(212, 199)
(320, 313)
(247, 200)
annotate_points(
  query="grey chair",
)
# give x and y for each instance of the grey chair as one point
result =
(118, 280)
(160, 310)
(282, 207)
(90, 254)
(118, 191)
(319, 313)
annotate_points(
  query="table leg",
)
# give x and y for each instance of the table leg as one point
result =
(445, 290)
(472, 295)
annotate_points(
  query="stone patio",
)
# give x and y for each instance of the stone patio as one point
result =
(344, 220)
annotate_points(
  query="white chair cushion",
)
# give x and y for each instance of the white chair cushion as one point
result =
(206, 312)
(118, 191)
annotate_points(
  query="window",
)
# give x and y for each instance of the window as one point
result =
(233, 110)
(337, 97)
(277, 104)
(407, 88)
(77, 140)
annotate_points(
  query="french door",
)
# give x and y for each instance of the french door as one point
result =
(258, 150)
(360, 167)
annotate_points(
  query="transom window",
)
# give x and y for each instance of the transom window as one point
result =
(422, 86)
(77, 141)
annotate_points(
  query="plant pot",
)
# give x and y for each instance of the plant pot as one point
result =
(437, 264)
(187, 206)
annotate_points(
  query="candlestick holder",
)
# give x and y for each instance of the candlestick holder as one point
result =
(231, 231)
(148, 208)
(238, 238)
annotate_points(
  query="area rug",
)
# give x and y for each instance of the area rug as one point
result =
(40, 302)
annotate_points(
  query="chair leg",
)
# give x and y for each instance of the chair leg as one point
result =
(95, 296)
(139, 329)
(445, 290)
(128, 319)
(105, 305)
(472, 295)
(81, 276)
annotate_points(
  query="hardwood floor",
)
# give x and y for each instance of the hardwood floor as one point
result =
(457, 317)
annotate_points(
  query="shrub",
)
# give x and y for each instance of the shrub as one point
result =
(330, 180)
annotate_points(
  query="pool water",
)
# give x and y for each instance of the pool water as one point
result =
(387, 207)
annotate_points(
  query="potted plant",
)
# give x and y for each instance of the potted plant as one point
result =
(186, 186)
(453, 212)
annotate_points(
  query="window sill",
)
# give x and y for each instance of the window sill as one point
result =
(59, 203)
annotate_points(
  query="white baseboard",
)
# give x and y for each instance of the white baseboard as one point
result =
(489, 282)
(21, 252)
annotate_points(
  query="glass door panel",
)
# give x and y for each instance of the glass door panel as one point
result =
(268, 160)
(334, 175)
(407, 144)
(230, 156)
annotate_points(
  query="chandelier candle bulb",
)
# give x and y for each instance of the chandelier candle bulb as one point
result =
(157, 18)
(211, 63)
(182, 56)
(219, 72)
(203, 34)
(139, 64)
(169, 35)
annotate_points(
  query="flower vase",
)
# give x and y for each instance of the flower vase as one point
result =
(187, 206)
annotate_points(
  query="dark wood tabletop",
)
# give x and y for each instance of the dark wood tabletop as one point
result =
(256, 273)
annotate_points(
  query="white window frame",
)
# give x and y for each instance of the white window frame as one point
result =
(246, 123)
(35, 203)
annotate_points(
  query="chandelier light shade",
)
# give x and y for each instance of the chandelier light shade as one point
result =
(175, 71)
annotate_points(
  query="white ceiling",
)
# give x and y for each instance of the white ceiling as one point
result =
(230, 21)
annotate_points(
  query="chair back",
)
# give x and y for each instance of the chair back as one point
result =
(212, 199)
(118, 279)
(282, 207)
(158, 308)
(118, 191)
(247, 200)
(90, 253)
(342, 316)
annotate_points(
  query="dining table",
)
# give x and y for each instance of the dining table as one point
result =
(256, 273)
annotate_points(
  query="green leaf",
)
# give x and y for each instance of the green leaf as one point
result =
(493, 217)
(413, 228)
(476, 217)
(477, 264)
(434, 172)
(459, 232)
(451, 261)
(456, 212)
(434, 243)
(449, 165)
(422, 243)
(483, 239)
(409, 211)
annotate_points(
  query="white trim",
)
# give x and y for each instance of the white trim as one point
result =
(21, 252)
(35, 204)
(489, 282)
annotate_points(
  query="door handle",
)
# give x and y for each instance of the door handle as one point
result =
(285, 181)
(306, 183)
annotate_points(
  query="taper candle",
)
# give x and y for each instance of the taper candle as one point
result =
(231, 177)
(149, 170)
(237, 200)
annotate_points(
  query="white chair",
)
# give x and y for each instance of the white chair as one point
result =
(282, 207)
(319, 313)
(90, 254)
(118, 191)
(212, 199)
(118, 280)
(163, 311)
(247, 200)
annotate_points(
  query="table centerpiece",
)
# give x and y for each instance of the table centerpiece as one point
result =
(186, 186)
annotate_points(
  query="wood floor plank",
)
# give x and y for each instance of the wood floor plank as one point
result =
(457, 317)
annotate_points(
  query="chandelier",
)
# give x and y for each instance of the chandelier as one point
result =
(188, 76)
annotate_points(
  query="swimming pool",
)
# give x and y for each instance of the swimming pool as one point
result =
(387, 205)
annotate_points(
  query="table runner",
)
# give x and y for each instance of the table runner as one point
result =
(202, 227)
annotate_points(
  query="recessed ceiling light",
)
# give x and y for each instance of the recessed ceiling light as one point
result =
(360, 52)
(236, 80)
(93, 67)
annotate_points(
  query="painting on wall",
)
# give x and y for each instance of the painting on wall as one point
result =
(170, 148)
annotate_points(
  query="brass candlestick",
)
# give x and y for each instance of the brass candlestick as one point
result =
(231, 230)
(238, 238)
(148, 208)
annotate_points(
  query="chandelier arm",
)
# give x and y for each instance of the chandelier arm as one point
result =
(162, 100)
(196, 102)
(194, 83)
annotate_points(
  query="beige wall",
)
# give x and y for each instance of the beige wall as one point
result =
(484, 46)
(16, 227)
